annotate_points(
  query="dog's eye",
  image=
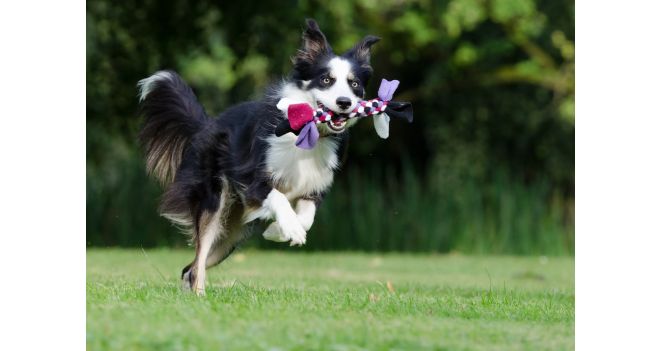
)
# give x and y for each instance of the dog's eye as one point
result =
(325, 80)
(354, 84)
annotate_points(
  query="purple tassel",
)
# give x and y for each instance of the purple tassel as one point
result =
(387, 89)
(308, 137)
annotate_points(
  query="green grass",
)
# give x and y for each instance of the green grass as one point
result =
(288, 300)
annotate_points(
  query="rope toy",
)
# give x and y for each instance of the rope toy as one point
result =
(302, 119)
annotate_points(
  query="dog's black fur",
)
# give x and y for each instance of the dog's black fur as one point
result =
(199, 158)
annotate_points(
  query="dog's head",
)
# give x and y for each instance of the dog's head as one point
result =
(337, 82)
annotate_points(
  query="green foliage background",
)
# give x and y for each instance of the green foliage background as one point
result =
(487, 166)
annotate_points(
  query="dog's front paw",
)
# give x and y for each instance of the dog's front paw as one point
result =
(274, 233)
(293, 230)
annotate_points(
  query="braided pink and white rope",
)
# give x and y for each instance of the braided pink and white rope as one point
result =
(364, 108)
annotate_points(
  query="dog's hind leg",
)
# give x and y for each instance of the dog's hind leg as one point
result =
(210, 230)
(222, 250)
(218, 253)
(237, 233)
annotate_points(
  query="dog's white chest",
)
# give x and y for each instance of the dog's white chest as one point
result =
(297, 172)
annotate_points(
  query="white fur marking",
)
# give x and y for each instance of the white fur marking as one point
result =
(251, 214)
(213, 230)
(286, 217)
(206, 242)
(340, 69)
(305, 210)
(297, 171)
(145, 86)
(274, 233)
(295, 95)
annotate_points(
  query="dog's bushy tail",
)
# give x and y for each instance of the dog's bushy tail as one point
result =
(172, 115)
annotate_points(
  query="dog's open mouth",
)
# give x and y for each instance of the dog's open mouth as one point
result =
(339, 120)
(338, 123)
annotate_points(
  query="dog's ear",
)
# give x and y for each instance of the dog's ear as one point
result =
(361, 51)
(314, 44)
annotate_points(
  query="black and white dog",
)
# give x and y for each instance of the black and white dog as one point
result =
(224, 175)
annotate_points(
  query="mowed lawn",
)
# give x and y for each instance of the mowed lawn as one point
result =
(290, 300)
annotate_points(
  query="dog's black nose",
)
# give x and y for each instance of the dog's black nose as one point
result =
(343, 102)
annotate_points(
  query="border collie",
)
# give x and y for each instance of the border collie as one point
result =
(225, 175)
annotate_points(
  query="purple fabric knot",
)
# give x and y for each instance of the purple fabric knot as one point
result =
(387, 89)
(308, 136)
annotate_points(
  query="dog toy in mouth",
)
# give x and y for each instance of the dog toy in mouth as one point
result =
(302, 119)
